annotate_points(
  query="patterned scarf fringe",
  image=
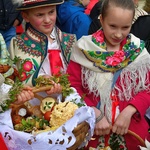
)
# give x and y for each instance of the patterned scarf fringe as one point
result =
(100, 86)
(129, 77)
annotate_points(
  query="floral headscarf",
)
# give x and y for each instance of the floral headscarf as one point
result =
(112, 61)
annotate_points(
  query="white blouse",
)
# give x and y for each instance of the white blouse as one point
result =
(45, 68)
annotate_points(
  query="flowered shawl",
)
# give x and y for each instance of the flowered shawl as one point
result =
(99, 66)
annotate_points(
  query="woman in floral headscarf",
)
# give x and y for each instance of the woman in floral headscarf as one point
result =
(140, 23)
(112, 69)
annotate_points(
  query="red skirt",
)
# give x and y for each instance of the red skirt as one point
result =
(2, 143)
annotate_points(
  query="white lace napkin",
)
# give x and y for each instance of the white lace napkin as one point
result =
(17, 140)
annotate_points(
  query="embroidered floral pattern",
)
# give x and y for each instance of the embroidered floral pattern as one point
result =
(115, 59)
(98, 39)
(27, 66)
(27, 69)
(67, 44)
(34, 44)
(114, 141)
(31, 45)
(112, 61)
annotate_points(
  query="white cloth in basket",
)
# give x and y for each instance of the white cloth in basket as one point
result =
(17, 140)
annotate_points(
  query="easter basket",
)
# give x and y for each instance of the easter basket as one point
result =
(73, 134)
(116, 145)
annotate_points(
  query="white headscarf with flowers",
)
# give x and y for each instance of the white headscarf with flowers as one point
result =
(98, 72)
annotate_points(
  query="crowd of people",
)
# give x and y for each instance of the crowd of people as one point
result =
(104, 47)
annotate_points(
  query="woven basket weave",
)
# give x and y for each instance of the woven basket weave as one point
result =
(80, 132)
(137, 137)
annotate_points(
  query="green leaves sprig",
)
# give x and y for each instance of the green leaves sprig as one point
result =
(12, 94)
(40, 81)
(62, 80)
(31, 123)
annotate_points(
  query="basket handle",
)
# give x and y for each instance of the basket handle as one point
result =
(41, 89)
(38, 96)
(137, 137)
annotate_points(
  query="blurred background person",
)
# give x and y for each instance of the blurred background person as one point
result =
(147, 6)
(71, 17)
(90, 6)
(10, 18)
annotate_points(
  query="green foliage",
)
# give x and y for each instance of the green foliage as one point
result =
(31, 123)
(12, 94)
(114, 143)
(47, 105)
(81, 103)
(62, 80)
(16, 60)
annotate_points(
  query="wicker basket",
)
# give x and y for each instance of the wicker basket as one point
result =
(137, 137)
(80, 132)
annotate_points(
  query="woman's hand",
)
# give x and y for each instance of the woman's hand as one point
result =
(123, 120)
(102, 127)
(25, 95)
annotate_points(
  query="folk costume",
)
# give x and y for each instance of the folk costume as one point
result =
(33, 49)
(36, 54)
(112, 80)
